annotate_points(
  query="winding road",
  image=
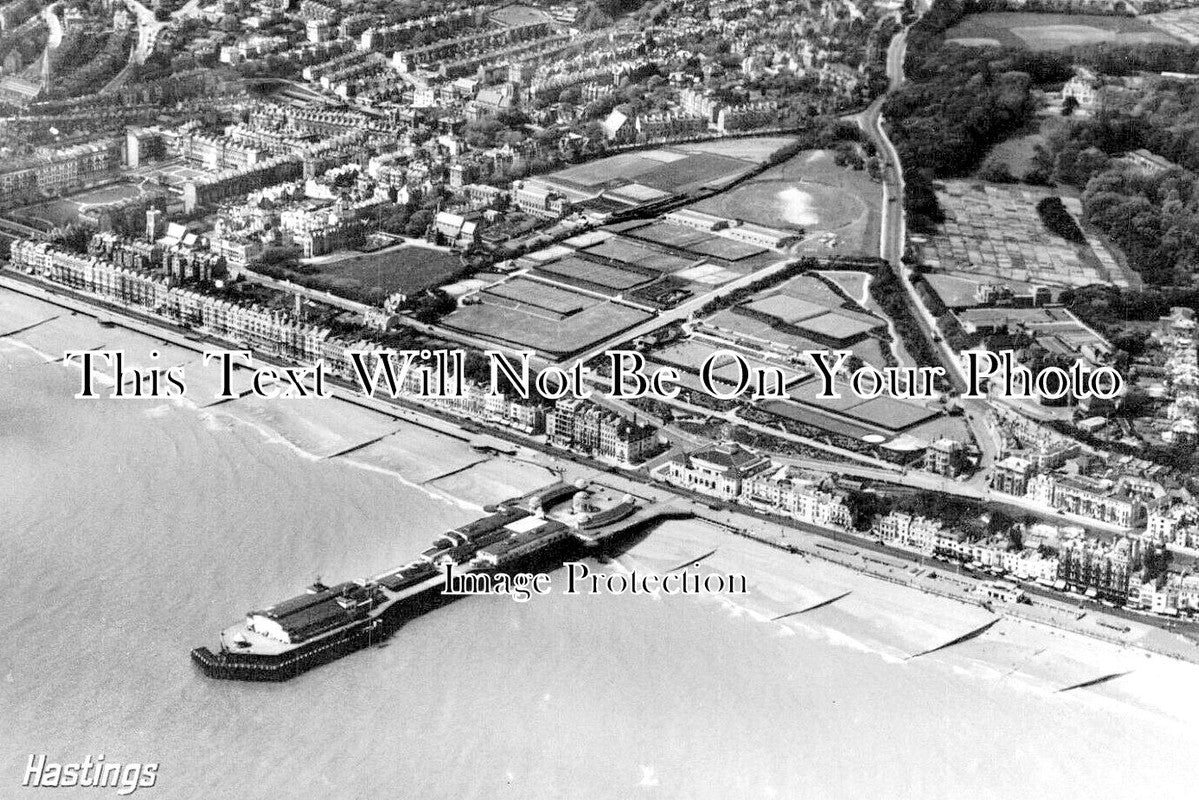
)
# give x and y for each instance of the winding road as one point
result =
(892, 242)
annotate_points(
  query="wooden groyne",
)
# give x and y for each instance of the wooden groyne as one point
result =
(692, 562)
(813, 607)
(1095, 681)
(965, 637)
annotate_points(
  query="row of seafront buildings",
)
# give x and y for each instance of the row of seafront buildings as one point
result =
(1101, 570)
(932, 538)
(1109, 570)
(735, 473)
(571, 423)
(268, 330)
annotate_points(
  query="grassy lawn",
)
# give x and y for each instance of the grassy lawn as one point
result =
(809, 192)
(407, 269)
(1052, 31)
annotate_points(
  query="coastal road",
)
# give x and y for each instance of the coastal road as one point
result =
(569, 466)
(774, 530)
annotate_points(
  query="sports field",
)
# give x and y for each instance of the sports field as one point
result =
(601, 276)
(631, 252)
(669, 170)
(1052, 31)
(694, 241)
(755, 148)
(521, 325)
(407, 269)
(802, 314)
(837, 207)
(883, 412)
(811, 288)
(534, 297)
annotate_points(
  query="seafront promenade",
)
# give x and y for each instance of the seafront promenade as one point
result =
(803, 540)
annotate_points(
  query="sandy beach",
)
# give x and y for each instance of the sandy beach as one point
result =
(141, 528)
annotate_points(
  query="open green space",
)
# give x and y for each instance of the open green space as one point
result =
(1052, 31)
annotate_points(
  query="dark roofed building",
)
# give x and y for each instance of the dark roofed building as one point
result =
(320, 610)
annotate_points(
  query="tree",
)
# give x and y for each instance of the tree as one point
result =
(395, 223)
(996, 170)
(419, 222)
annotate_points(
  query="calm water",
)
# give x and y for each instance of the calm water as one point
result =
(133, 532)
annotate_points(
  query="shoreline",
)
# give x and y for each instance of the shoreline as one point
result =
(344, 440)
(900, 569)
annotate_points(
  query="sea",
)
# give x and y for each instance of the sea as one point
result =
(132, 531)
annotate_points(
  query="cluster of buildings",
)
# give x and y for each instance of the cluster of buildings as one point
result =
(931, 537)
(667, 126)
(157, 279)
(1169, 595)
(1105, 570)
(570, 422)
(1180, 378)
(177, 255)
(51, 172)
(734, 473)
(1173, 521)
(584, 426)
(275, 331)
(1113, 497)
(461, 101)
(1054, 469)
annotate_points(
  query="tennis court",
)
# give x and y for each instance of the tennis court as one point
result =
(608, 277)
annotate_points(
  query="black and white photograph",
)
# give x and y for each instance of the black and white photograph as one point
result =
(599, 399)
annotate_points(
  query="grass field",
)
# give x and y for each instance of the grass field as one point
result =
(1019, 150)
(852, 283)
(617, 168)
(670, 234)
(408, 269)
(632, 252)
(726, 249)
(698, 242)
(803, 314)
(65, 210)
(602, 276)
(816, 418)
(757, 148)
(838, 207)
(668, 170)
(520, 327)
(537, 297)
(1052, 31)
(884, 412)
(811, 288)
(694, 172)
(1181, 23)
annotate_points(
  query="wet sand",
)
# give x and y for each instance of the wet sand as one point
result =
(142, 528)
